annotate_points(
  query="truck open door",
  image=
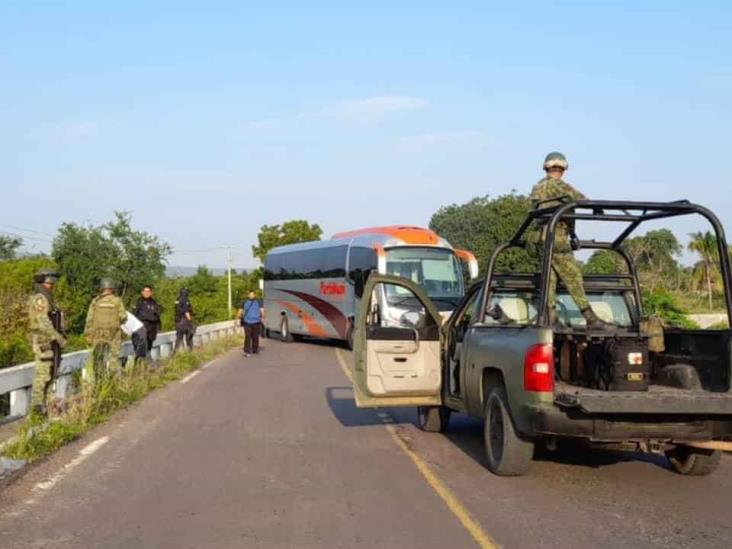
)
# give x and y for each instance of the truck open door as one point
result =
(397, 362)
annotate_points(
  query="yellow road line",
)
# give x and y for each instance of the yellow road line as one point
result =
(453, 503)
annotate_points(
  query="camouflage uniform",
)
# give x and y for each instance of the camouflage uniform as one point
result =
(104, 330)
(42, 334)
(563, 263)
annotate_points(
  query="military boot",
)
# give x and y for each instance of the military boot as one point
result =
(595, 323)
(554, 321)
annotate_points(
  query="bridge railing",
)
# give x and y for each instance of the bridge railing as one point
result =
(18, 380)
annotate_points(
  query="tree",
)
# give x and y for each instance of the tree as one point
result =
(9, 246)
(705, 244)
(85, 254)
(656, 257)
(290, 232)
(483, 223)
(605, 262)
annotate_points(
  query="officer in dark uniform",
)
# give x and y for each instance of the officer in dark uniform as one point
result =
(184, 327)
(148, 311)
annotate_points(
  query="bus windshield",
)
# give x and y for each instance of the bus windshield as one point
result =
(436, 270)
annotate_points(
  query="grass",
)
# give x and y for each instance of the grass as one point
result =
(91, 407)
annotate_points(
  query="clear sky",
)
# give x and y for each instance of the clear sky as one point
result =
(209, 119)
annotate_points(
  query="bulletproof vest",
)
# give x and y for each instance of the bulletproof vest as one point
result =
(106, 314)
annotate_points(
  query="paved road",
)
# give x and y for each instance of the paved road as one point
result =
(271, 452)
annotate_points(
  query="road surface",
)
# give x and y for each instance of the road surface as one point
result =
(270, 451)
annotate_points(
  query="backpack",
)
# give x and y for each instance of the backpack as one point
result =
(106, 315)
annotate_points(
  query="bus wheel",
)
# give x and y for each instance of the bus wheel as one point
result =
(285, 334)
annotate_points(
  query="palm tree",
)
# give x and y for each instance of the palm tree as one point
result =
(705, 244)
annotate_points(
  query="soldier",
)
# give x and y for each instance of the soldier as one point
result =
(184, 326)
(45, 337)
(104, 330)
(563, 263)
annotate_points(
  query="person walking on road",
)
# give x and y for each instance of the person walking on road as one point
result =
(564, 266)
(103, 331)
(46, 338)
(184, 326)
(250, 315)
(148, 311)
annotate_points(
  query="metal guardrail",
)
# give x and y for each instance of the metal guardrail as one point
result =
(17, 380)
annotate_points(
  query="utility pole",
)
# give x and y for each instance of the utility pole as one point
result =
(228, 262)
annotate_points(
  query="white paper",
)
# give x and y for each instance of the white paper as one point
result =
(132, 324)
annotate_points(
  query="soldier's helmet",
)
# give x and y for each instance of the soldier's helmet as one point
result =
(107, 284)
(556, 159)
(46, 276)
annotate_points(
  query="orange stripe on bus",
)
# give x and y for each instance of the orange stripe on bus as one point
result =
(410, 235)
(312, 326)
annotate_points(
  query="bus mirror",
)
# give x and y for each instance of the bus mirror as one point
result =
(469, 259)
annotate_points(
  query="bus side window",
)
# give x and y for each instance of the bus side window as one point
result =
(361, 262)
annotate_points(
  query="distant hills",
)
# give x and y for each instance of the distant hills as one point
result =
(174, 271)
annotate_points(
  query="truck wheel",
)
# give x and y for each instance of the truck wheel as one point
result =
(507, 453)
(285, 334)
(433, 419)
(693, 461)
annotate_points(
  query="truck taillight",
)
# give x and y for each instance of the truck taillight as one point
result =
(539, 368)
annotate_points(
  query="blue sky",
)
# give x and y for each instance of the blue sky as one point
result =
(207, 120)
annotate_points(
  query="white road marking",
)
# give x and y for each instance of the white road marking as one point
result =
(84, 453)
(190, 376)
(207, 365)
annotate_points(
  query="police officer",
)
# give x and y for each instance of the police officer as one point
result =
(104, 330)
(148, 311)
(46, 339)
(184, 327)
(563, 263)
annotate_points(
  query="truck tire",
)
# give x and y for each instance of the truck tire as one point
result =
(693, 461)
(433, 419)
(285, 334)
(506, 452)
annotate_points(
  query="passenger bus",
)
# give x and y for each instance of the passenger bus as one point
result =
(314, 289)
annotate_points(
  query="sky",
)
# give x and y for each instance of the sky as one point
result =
(206, 120)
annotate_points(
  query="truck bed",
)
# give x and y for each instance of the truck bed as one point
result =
(659, 399)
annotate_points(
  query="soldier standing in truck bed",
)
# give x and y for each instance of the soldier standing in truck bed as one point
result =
(564, 265)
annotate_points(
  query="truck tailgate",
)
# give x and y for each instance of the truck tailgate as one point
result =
(657, 400)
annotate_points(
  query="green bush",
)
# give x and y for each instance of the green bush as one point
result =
(666, 306)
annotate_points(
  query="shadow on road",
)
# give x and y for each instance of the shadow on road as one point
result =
(341, 403)
(466, 433)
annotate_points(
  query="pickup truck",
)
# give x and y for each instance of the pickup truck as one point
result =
(638, 386)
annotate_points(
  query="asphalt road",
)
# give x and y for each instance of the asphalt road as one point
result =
(270, 451)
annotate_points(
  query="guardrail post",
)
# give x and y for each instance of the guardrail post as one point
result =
(63, 382)
(20, 401)
(165, 350)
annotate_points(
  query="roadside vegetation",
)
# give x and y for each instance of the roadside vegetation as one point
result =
(87, 409)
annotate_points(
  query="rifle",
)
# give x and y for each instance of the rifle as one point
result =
(57, 319)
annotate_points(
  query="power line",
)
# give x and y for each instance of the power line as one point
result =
(26, 230)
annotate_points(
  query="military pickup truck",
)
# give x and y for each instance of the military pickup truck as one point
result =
(499, 357)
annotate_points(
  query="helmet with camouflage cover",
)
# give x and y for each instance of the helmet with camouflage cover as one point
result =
(46, 276)
(556, 159)
(107, 284)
